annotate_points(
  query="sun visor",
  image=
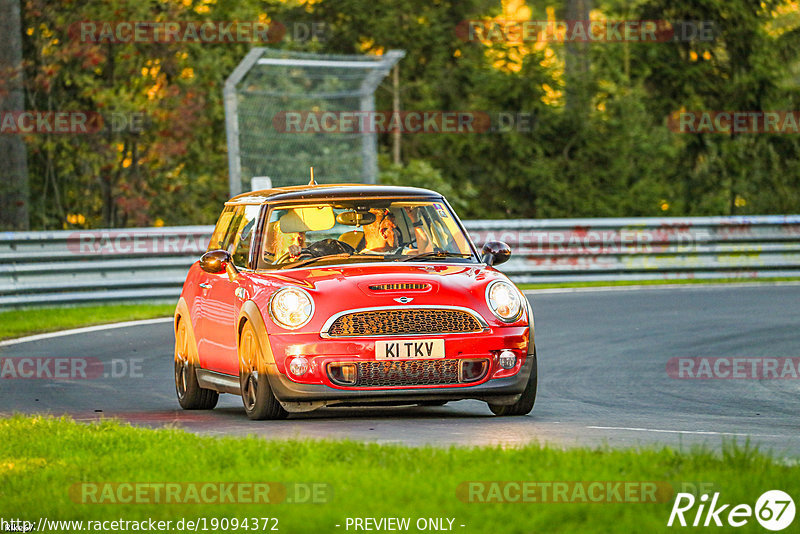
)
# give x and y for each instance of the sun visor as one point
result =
(307, 219)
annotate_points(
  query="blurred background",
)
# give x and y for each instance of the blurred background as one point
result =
(596, 142)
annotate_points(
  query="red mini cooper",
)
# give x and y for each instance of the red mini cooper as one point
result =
(332, 295)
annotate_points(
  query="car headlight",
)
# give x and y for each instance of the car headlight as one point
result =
(504, 301)
(291, 307)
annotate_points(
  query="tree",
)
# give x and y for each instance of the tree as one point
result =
(13, 156)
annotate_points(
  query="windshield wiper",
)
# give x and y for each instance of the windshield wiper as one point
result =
(437, 254)
(341, 256)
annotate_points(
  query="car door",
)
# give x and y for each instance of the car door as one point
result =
(201, 280)
(224, 297)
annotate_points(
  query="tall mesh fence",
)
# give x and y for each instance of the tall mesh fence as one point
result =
(270, 84)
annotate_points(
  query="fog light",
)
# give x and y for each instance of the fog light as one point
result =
(298, 366)
(507, 360)
(343, 374)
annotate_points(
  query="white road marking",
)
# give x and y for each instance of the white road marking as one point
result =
(703, 432)
(84, 330)
(655, 286)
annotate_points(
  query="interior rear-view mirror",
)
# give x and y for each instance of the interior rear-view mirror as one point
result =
(356, 218)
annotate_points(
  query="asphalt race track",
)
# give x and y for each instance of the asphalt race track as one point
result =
(602, 367)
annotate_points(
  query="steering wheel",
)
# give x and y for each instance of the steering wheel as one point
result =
(327, 247)
(323, 247)
(398, 250)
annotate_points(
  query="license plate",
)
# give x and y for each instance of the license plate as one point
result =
(409, 349)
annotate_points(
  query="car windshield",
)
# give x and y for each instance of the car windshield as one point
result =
(364, 230)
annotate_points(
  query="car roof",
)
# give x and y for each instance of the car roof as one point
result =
(331, 191)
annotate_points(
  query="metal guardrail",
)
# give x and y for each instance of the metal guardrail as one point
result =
(151, 263)
(64, 267)
(560, 250)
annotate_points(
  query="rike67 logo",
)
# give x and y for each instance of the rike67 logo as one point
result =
(774, 510)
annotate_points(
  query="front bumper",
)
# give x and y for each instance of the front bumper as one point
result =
(299, 397)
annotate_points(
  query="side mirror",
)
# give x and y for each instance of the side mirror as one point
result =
(215, 261)
(495, 253)
(219, 261)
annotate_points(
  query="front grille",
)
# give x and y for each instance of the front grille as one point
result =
(403, 322)
(407, 373)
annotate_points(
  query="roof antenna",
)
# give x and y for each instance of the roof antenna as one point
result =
(312, 182)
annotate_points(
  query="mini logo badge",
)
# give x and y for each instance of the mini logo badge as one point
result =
(403, 300)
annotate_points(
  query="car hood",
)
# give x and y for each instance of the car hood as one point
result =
(342, 287)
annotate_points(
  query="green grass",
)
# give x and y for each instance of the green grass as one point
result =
(659, 282)
(41, 458)
(27, 321)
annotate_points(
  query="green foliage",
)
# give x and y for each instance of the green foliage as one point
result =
(612, 157)
(420, 173)
(744, 68)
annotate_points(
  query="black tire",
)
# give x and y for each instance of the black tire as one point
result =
(190, 395)
(525, 403)
(259, 401)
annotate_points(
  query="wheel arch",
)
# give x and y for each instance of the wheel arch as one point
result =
(182, 314)
(252, 314)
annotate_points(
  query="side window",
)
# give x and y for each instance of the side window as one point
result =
(273, 243)
(243, 238)
(218, 240)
